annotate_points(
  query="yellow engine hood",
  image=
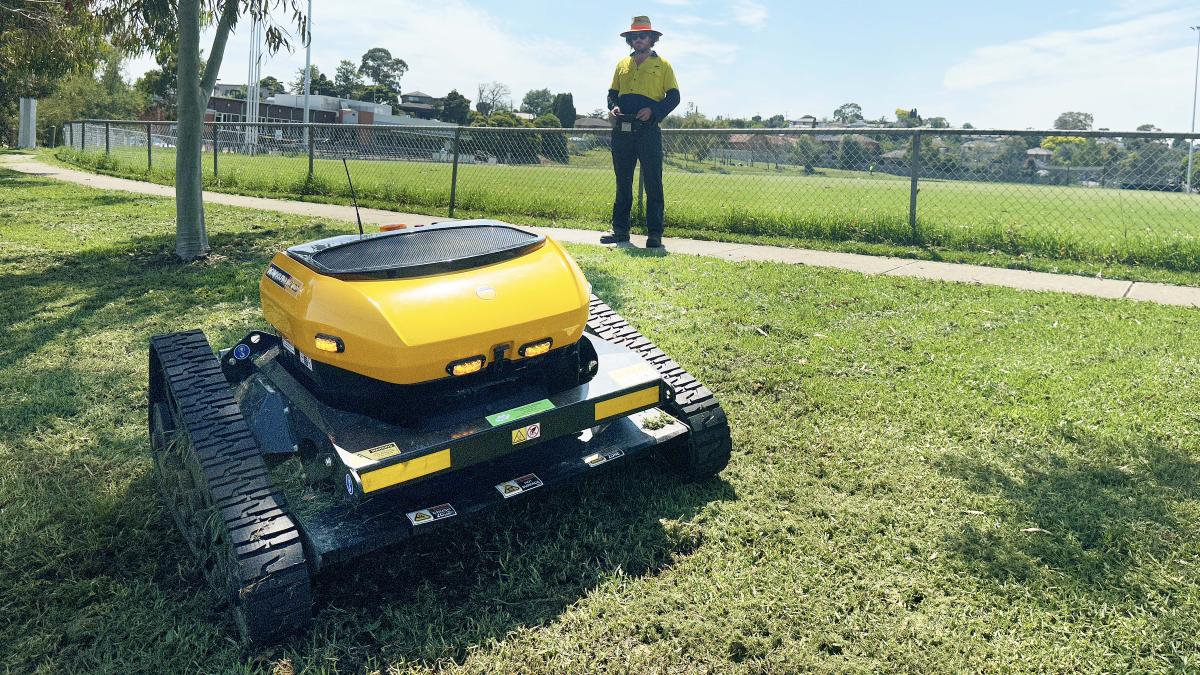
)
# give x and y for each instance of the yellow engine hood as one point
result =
(407, 330)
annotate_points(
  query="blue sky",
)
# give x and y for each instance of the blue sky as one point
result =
(998, 65)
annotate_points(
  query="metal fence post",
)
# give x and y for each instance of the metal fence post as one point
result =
(454, 171)
(311, 133)
(914, 169)
(106, 130)
(215, 128)
(82, 135)
(149, 149)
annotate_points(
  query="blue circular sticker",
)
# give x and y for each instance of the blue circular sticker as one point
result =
(349, 484)
(241, 352)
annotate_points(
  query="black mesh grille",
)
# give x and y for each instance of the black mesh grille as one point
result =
(421, 250)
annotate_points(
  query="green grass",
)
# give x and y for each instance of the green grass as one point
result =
(1125, 227)
(895, 441)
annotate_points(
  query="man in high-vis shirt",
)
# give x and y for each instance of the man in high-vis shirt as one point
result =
(643, 93)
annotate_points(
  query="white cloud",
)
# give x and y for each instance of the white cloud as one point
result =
(693, 20)
(1127, 73)
(750, 13)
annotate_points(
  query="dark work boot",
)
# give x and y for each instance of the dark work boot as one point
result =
(654, 242)
(613, 238)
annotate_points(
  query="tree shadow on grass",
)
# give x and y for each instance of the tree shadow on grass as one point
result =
(1099, 519)
(435, 597)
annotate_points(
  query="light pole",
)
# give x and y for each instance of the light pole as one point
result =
(307, 69)
(1191, 146)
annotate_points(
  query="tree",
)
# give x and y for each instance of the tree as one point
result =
(848, 112)
(86, 96)
(492, 97)
(554, 144)
(346, 79)
(564, 109)
(378, 66)
(378, 93)
(455, 108)
(40, 43)
(318, 83)
(537, 102)
(908, 118)
(1074, 120)
(807, 152)
(136, 25)
(271, 86)
(776, 122)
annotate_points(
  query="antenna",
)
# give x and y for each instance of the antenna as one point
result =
(353, 196)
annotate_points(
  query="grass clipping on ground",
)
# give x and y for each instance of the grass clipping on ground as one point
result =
(926, 476)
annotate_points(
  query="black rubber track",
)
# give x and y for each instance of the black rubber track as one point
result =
(708, 445)
(233, 518)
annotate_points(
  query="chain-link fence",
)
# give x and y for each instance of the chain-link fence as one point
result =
(1104, 195)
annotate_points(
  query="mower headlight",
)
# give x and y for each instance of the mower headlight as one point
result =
(329, 343)
(465, 366)
(536, 348)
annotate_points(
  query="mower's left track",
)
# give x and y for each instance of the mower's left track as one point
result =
(215, 484)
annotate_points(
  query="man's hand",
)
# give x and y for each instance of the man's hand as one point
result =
(645, 114)
(616, 111)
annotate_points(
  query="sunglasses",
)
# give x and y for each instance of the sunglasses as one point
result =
(638, 36)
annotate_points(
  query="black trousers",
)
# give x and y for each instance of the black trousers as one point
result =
(642, 144)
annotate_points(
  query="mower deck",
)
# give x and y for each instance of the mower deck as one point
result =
(350, 530)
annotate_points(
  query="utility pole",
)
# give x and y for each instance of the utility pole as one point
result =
(307, 70)
(1191, 146)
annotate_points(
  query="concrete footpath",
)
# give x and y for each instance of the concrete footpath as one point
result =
(866, 264)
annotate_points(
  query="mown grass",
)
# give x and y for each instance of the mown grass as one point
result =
(926, 477)
(1128, 227)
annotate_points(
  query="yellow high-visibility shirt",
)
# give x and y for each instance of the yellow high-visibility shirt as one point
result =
(652, 79)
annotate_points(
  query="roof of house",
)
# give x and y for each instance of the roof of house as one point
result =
(895, 154)
(771, 140)
(418, 93)
(592, 123)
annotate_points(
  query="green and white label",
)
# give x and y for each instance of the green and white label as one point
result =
(517, 413)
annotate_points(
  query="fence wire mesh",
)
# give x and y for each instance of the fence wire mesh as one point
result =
(1118, 196)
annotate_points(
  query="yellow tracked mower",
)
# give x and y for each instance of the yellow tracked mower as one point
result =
(409, 378)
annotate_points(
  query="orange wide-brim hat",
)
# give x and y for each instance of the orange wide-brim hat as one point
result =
(641, 24)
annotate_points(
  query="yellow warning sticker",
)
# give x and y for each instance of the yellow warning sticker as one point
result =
(518, 485)
(431, 514)
(526, 433)
(379, 452)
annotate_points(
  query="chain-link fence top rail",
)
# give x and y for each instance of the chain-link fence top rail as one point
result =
(1119, 196)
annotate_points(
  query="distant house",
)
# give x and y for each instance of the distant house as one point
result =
(833, 140)
(419, 104)
(806, 122)
(1039, 156)
(528, 117)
